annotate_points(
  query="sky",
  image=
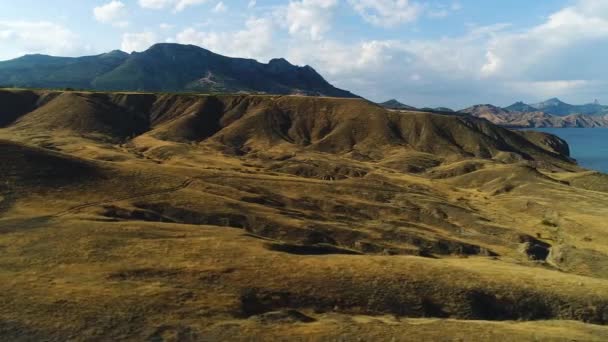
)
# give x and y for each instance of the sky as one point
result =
(452, 53)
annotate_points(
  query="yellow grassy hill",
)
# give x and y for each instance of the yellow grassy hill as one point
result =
(185, 217)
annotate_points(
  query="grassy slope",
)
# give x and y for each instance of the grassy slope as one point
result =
(207, 223)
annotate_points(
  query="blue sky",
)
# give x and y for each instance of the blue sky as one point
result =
(425, 53)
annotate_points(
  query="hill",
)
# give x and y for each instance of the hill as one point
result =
(146, 216)
(250, 124)
(166, 68)
(489, 112)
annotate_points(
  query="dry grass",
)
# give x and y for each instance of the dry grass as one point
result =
(224, 213)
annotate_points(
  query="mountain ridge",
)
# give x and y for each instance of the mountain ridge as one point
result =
(552, 113)
(397, 105)
(166, 67)
(557, 107)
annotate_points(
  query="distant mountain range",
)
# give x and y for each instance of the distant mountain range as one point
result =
(551, 113)
(556, 107)
(396, 105)
(520, 107)
(188, 68)
(166, 68)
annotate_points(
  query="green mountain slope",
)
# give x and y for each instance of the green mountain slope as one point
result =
(166, 67)
(41, 71)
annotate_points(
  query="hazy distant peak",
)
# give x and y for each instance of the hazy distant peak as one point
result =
(552, 102)
(520, 106)
(395, 104)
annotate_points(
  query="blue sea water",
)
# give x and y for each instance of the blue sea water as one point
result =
(589, 146)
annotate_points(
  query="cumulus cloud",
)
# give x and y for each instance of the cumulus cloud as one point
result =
(546, 51)
(176, 5)
(387, 13)
(113, 12)
(497, 63)
(182, 4)
(255, 40)
(309, 18)
(155, 4)
(138, 41)
(22, 37)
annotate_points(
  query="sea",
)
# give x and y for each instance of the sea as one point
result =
(589, 146)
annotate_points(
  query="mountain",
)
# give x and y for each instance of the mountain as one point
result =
(40, 71)
(525, 116)
(557, 107)
(489, 112)
(394, 104)
(166, 68)
(520, 107)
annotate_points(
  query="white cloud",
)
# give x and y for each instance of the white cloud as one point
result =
(156, 4)
(546, 89)
(253, 41)
(309, 18)
(220, 7)
(113, 13)
(182, 4)
(25, 37)
(138, 41)
(165, 26)
(492, 64)
(562, 56)
(252, 3)
(547, 51)
(176, 5)
(387, 13)
(7, 34)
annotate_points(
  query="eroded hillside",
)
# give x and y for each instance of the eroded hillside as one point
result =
(223, 216)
